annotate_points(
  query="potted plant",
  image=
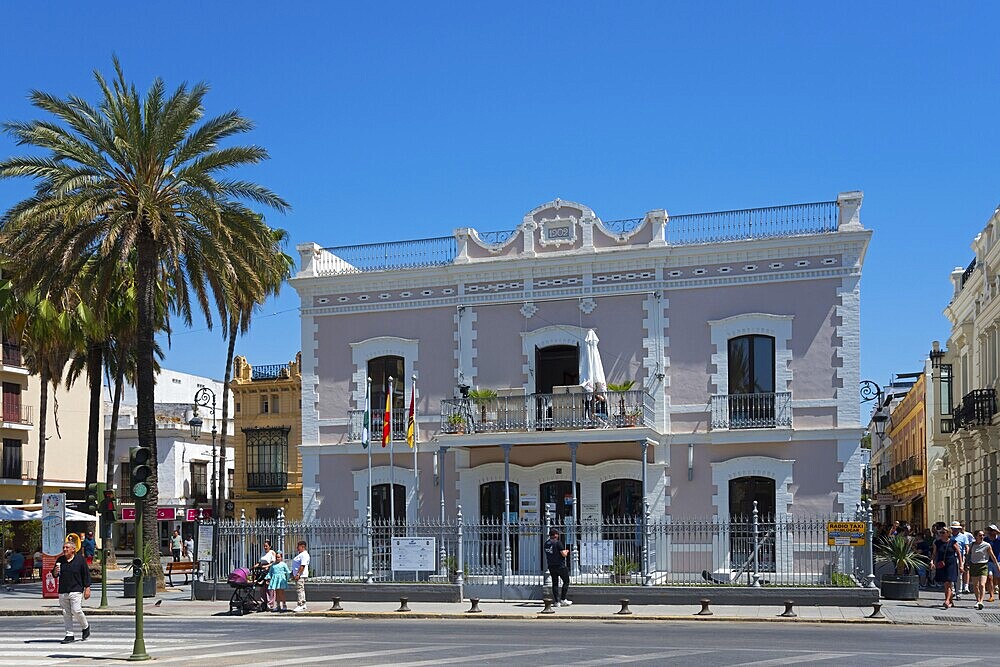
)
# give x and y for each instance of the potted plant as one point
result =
(620, 388)
(622, 569)
(483, 398)
(899, 552)
(456, 423)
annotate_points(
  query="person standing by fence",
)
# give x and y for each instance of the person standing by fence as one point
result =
(277, 582)
(556, 555)
(300, 572)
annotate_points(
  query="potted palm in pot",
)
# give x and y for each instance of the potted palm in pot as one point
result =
(900, 553)
(485, 398)
(620, 388)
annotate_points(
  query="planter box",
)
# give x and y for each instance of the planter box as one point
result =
(148, 587)
(900, 587)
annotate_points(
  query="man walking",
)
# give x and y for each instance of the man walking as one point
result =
(74, 587)
(963, 539)
(300, 572)
(176, 544)
(556, 555)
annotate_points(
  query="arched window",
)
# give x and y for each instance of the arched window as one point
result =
(751, 382)
(382, 506)
(621, 498)
(743, 491)
(491, 500)
(380, 369)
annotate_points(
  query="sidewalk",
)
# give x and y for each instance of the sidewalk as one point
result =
(26, 600)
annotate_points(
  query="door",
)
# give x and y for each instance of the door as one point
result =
(491, 507)
(12, 402)
(743, 491)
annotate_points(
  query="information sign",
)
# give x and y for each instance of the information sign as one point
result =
(846, 533)
(413, 554)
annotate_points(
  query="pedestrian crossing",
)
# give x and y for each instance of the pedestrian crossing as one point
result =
(43, 646)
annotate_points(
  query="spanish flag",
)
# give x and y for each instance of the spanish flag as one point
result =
(411, 422)
(387, 418)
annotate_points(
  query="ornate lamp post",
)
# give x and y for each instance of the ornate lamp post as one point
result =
(203, 398)
(871, 391)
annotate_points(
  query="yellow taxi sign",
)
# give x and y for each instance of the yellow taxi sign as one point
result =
(846, 533)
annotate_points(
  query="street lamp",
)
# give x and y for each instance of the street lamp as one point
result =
(203, 398)
(871, 391)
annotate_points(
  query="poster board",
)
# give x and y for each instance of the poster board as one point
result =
(53, 538)
(205, 542)
(597, 553)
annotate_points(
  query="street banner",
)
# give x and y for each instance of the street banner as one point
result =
(846, 533)
(53, 538)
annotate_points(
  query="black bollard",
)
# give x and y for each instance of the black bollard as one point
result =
(788, 613)
(705, 611)
(876, 610)
(548, 606)
(402, 604)
(624, 611)
(475, 606)
(336, 605)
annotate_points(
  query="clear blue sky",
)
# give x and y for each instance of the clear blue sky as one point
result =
(402, 120)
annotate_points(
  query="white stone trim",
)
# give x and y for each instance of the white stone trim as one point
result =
(311, 498)
(850, 458)
(563, 334)
(465, 345)
(655, 360)
(363, 351)
(780, 470)
(384, 475)
(309, 398)
(777, 326)
(847, 377)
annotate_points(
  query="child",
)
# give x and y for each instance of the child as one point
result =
(277, 581)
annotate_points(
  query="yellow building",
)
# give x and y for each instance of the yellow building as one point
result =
(906, 479)
(268, 418)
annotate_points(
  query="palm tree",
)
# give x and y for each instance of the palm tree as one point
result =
(138, 180)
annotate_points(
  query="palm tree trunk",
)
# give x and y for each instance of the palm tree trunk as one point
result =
(43, 409)
(95, 359)
(113, 435)
(144, 382)
(225, 415)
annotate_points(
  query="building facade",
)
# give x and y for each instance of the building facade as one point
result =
(186, 468)
(899, 458)
(66, 433)
(730, 343)
(268, 434)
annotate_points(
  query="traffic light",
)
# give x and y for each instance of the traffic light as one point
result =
(108, 504)
(94, 491)
(139, 459)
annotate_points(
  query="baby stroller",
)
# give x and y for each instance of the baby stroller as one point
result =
(248, 591)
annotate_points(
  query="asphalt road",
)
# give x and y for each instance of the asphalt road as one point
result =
(267, 640)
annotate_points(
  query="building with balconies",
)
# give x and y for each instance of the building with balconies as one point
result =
(899, 456)
(729, 340)
(268, 413)
(966, 476)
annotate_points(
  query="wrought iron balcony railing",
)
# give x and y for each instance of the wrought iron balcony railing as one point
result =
(267, 481)
(12, 355)
(743, 411)
(910, 467)
(16, 468)
(18, 413)
(977, 409)
(969, 270)
(390, 256)
(269, 372)
(573, 408)
(357, 424)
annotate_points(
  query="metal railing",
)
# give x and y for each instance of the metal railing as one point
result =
(752, 223)
(267, 481)
(18, 469)
(977, 409)
(496, 238)
(269, 372)
(388, 256)
(743, 411)
(357, 423)
(18, 413)
(12, 355)
(753, 550)
(572, 409)
(969, 270)
(623, 226)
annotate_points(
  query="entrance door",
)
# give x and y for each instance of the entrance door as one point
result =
(560, 494)
(556, 365)
(381, 505)
(743, 491)
(491, 506)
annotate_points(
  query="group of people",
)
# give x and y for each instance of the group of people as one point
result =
(961, 562)
(181, 548)
(279, 573)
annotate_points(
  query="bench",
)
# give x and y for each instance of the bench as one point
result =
(185, 567)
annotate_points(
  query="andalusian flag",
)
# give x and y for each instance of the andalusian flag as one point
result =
(411, 422)
(387, 418)
(366, 429)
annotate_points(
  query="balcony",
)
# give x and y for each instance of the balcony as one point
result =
(12, 355)
(747, 411)
(17, 469)
(902, 471)
(17, 413)
(977, 409)
(357, 419)
(567, 408)
(269, 372)
(267, 481)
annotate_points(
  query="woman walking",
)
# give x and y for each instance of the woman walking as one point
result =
(980, 556)
(946, 561)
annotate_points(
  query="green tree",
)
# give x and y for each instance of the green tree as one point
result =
(139, 179)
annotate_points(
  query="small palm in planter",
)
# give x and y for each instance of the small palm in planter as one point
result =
(620, 389)
(483, 398)
(899, 552)
(622, 570)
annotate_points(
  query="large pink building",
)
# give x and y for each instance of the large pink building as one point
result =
(739, 331)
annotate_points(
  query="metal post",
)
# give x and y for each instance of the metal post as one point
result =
(281, 528)
(138, 567)
(646, 575)
(756, 546)
(868, 548)
(460, 574)
(441, 453)
(547, 523)
(575, 549)
(105, 522)
(369, 576)
(507, 557)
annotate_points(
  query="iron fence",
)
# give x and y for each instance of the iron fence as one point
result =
(388, 256)
(742, 411)
(622, 227)
(753, 550)
(752, 223)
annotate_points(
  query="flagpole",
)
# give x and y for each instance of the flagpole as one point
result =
(368, 511)
(416, 439)
(392, 468)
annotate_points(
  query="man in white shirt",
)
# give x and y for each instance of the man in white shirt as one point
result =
(300, 572)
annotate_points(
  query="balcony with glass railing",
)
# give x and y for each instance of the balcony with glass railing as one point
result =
(750, 411)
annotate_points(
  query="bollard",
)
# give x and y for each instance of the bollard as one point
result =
(788, 613)
(402, 604)
(475, 606)
(624, 611)
(705, 611)
(548, 606)
(876, 610)
(336, 605)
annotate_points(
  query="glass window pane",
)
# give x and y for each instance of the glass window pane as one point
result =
(763, 364)
(739, 366)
